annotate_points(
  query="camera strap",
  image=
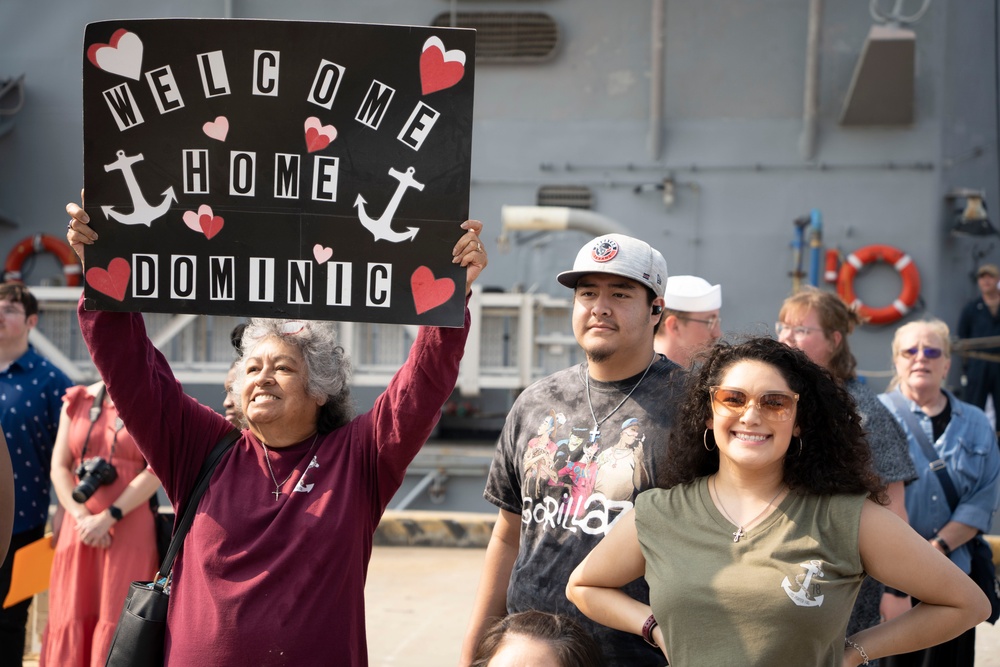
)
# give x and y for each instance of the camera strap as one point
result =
(95, 413)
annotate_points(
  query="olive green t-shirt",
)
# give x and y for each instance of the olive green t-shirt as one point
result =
(781, 595)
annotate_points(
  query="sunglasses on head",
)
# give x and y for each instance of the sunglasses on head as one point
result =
(776, 406)
(929, 352)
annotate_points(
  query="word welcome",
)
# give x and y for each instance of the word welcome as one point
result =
(215, 82)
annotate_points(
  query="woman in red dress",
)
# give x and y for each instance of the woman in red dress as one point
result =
(107, 539)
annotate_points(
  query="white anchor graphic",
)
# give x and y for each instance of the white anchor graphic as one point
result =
(802, 597)
(381, 229)
(306, 488)
(143, 212)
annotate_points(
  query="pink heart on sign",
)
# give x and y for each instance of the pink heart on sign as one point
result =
(429, 293)
(217, 129)
(318, 135)
(321, 253)
(121, 55)
(113, 281)
(204, 221)
(440, 69)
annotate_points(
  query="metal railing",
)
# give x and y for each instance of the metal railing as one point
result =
(515, 339)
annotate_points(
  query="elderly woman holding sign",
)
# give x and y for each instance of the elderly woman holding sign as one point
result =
(273, 567)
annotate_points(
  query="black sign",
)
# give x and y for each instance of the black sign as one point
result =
(277, 168)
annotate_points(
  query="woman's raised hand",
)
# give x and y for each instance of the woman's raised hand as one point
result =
(470, 252)
(78, 231)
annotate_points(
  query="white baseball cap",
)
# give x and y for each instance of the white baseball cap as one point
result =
(691, 294)
(619, 255)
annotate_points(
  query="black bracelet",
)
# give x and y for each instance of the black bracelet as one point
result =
(944, 545)
(115, 513)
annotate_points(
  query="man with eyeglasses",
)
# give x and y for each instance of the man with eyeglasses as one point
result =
(31, 390)
(980, 318)
(691, 320)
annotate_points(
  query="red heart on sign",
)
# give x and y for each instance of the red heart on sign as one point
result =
(210, 225)
(113, 281)
(429, 293)
(121, 55)
(440, 69)
(318, 135)
(204, 221)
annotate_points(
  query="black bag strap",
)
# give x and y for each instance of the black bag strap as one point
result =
(187, 516)
(937, 464)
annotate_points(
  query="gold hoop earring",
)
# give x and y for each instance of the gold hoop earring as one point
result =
(704, 439)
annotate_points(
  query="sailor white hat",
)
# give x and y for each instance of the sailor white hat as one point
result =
(691, 294)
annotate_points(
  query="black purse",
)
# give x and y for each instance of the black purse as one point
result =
(983, 572)
(142, 626)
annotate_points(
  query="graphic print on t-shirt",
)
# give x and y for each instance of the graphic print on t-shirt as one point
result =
(302, 487)
(807, 593)
(571, 477)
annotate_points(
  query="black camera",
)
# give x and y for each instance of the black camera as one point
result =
(93, 473)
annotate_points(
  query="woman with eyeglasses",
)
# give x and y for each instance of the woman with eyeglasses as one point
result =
(819, 323)
(769, 520)
(961, 437)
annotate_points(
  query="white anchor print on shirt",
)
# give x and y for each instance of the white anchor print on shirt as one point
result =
(803, 597)
(306, 488)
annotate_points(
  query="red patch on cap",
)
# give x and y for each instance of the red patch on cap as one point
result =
(604, 250)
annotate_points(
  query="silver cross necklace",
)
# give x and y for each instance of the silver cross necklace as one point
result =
(740, 529)
(596, 431)
(267, 459)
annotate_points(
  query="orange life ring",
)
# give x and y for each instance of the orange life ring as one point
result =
(900, 261)
(39, 243)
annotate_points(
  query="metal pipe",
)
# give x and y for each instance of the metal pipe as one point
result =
(557, 218)
(815, 246)
(176, 324)
(810, 110)
(759, 167)
(656, 81)
(56, 356)
(417, 490)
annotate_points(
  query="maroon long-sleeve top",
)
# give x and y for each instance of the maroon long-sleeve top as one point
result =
(263, 581)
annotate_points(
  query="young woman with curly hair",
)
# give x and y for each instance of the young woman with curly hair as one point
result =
(770, 519)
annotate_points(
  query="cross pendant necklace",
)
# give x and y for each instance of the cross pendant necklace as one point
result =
(595, 432)
(739, 527)
(267, 459)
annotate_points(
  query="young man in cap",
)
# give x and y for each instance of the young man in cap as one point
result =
(979, 318)
(691, 320)
(619, 403)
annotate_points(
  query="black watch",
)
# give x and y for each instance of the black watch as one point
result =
(941, 543)
(115, 513)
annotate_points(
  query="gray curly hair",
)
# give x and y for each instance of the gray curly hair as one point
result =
(328, 368)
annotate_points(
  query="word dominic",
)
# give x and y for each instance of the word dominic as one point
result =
(181, 277)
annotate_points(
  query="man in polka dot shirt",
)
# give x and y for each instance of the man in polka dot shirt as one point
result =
(31, 389)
